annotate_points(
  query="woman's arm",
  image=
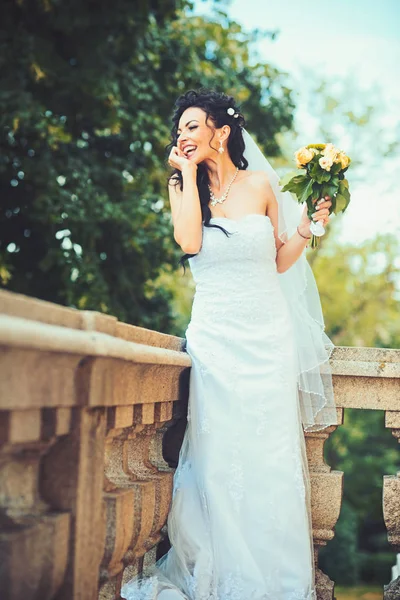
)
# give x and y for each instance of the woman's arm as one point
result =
(291, 251)
(288, 253)
(185, 206)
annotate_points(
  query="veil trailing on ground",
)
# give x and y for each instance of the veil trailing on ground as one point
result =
(314, 348)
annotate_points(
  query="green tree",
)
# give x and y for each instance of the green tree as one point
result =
(86, 98)
(359, 288)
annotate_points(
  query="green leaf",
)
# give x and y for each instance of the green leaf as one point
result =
(343, 196)
(288, 176)
(307, 192)
(345, 185)
(332, 187)
(291, 186)
(318, 173)
(341, 203)
(336, 167)
(301, 186)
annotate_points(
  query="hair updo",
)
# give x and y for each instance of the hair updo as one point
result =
(215, 105)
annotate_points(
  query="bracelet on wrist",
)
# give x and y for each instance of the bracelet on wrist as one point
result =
(303, 236)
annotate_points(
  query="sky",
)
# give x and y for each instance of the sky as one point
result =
(360, 40)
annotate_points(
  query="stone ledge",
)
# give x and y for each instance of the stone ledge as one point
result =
(21, 333)
(33, 309)
(365, 362)
(366, 378)
(359, 368)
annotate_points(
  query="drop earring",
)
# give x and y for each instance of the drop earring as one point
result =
(221, 149)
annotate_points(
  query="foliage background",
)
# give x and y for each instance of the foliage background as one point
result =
(87, 90)
(86, 97)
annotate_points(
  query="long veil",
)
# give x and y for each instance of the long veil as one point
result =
(314, 348)
(316, 405)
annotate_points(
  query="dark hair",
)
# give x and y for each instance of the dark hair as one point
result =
(215, 105)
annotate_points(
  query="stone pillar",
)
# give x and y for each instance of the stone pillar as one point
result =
(326, 500)
(391, 489)
(391, 505)
(34, 535)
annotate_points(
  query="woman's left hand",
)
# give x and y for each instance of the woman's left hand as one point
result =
(321, 214)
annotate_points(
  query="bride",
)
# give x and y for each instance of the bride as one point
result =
(240, 519)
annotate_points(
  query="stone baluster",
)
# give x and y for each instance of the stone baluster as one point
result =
(326, 499)
(138, 490)
(32, 532)
(391, 505)
(391, 488)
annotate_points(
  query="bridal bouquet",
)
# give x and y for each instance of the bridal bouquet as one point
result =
(325, 167)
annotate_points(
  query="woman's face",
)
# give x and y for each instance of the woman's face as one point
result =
(194, 135)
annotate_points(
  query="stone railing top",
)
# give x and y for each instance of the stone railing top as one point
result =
(44, 347)
(18, 305)
(366, 378)
(24, 333)
(366, 362)
(29, 323)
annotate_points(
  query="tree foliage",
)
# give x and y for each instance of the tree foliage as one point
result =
(360, 291)
(87, 94)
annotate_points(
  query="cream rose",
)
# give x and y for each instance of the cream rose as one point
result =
(330, 151)
(303, 156)
(326, 163)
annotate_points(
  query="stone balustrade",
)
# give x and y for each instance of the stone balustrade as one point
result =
(92, 414)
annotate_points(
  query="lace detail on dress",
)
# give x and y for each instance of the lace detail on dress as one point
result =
(182, 469)
(298, 473)
(234, 587)
(204, 424)
(236, 488)
(142, 589)
(301, 596)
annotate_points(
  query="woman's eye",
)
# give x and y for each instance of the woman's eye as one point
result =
(190, 129)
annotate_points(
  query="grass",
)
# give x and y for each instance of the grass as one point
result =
(359, 593)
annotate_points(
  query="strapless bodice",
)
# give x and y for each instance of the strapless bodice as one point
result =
(248, 255)
(236, 275)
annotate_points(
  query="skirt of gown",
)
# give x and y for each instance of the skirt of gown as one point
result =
(239, 522)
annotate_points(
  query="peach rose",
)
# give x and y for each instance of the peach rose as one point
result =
(303, 156)
(343, 159)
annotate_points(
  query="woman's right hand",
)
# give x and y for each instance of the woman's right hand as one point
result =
(178, 160)
(322, 207)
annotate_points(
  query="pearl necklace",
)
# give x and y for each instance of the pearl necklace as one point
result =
(215, 200)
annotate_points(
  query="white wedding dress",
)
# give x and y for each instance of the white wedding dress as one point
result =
(239, 522)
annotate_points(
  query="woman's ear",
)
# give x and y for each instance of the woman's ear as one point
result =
(225, 129)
